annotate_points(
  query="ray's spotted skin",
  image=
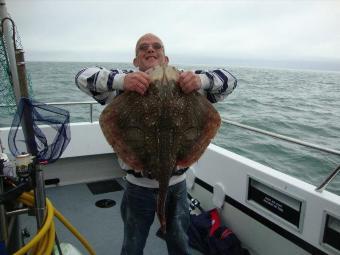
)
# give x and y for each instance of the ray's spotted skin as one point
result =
(161, 130)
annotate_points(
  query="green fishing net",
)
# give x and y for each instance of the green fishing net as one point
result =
(7, 96)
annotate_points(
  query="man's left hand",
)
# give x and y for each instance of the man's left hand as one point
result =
(189, 81)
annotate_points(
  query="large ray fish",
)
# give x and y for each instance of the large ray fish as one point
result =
(160, 131)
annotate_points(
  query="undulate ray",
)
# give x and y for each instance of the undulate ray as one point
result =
(161, 130)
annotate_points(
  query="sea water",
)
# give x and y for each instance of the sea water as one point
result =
(302, 104)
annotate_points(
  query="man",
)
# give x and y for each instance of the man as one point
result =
(139, 201)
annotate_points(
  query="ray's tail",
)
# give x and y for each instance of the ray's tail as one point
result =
(161, 204)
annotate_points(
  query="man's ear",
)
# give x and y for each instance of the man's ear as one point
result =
(135, 62)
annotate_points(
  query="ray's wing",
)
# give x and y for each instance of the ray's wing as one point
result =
(120, 122)
(133, 124)
(201, 125)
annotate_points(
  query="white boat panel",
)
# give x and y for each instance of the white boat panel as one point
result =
(254, 236)
(84, 169)
(218, 165)
(86, 139)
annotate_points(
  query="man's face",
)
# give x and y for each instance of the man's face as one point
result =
(149, 53)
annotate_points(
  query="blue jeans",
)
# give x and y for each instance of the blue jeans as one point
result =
(138, 212)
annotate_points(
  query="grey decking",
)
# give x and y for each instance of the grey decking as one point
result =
(101, 227)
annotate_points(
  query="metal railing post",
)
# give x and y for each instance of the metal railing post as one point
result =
(39, 195)
(328, 180)
(91, 112)
(3, 221)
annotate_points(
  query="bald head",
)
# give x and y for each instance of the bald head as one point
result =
(149, 52)
(148, 36)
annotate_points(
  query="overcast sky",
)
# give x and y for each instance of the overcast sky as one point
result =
(194, 32)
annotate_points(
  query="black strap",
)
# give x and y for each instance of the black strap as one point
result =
(179, 171)
(148, 174)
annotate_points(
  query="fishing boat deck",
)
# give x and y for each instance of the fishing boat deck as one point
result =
(102, 227)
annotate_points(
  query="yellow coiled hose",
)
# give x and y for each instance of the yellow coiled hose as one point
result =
(43, 241)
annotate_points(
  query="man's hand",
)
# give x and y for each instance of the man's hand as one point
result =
(189, 81)
(137, 81)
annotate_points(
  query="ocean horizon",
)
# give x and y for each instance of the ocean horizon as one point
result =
(178, 60)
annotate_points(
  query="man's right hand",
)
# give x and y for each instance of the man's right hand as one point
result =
(137, 81)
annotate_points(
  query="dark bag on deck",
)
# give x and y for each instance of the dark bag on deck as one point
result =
(210, 238)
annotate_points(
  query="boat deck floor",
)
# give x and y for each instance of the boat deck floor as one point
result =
(102, 227)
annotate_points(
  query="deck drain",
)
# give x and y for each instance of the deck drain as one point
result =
(105, 203)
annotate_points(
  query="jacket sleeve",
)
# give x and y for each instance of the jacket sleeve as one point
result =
(100, 83)
(216, 84)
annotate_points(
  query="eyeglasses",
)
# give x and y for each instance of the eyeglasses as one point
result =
(145, 46)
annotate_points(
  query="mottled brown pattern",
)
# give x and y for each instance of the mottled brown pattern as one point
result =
(161, 130)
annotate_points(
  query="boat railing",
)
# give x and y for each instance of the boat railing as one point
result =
(282, 137)
(89, 103)
(327, 180)
(321, 187)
